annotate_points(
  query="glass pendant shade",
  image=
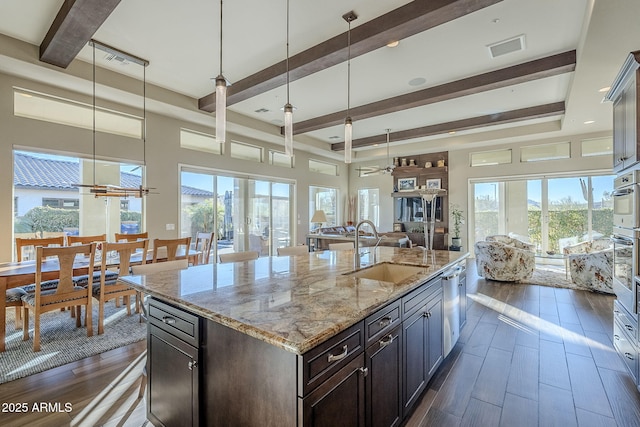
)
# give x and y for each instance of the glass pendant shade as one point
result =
(221, 108)
(348, 139)
(288, 129)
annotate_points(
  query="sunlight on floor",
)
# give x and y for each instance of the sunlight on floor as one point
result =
(93, 413)
(528, 322)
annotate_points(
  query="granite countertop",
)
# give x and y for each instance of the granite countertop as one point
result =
(296, 302)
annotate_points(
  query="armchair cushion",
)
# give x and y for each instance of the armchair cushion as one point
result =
(510, 241)
(499, 261)
(593, 271)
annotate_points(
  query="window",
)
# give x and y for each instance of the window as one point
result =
(538, 153)
(51, 204)
(193, 140)
(323, 167)
(597, 147)
(244, 151)
(326, 199)
(369, 205)
(490, 158)
(278, 158)
(39, 106)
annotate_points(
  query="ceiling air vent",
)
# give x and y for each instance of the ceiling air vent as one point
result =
(110, 57)
(506, 46)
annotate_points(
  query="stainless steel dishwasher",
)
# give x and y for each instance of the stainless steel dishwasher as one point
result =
(451, 292)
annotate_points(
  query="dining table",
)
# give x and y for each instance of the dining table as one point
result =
(16, 274)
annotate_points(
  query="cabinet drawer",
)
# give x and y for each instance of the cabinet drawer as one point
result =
(416, 299)
(626, 347)
(327, 358)
(177, 322)
(379, 323)
(626, 322)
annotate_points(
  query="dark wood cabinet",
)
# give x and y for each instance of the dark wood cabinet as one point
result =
(340, 400)
(172, 367)
(384, 380)
(624, 95)
(423, 341)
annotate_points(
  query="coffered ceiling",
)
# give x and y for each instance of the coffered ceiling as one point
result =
(439, 88)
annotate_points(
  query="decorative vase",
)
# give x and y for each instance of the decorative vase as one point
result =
(456, 241)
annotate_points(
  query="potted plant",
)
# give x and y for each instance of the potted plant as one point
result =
(457, 219)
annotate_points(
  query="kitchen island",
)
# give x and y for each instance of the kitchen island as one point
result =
(286, 340)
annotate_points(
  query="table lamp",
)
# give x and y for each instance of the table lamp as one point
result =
(319, 217)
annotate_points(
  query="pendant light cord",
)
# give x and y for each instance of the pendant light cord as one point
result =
(220, 37)
(144, 116)
(349, 69)
(93, 100)
(287, 51)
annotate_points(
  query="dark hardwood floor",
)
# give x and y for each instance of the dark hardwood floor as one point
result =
(528, 356)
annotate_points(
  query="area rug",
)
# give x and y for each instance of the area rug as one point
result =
(549, 276)
(61, 342)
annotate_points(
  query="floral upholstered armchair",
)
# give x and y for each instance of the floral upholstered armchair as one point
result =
(497, 260)
(508, 240)
(591, 265)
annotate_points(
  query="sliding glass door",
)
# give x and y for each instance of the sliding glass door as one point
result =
(249, 214)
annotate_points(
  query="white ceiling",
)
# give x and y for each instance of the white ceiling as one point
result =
(180, 40)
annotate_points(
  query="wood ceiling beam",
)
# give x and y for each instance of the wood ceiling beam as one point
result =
(537, 112)
(517, 74)
(405, 21)
(74, 25)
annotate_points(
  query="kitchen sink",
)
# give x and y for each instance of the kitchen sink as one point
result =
(386, 272)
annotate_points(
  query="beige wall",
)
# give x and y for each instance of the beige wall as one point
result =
(163, 156)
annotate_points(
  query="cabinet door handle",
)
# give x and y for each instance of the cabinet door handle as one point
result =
(617, 337)
(168, 320)
(332, 358)
(426, 314)
(629, 327)
(629, 356)
(385, 342)
(193, 364)
(364, 371)
(385, 321)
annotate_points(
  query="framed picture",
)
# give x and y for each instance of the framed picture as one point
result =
(407, 184)
(434, 183)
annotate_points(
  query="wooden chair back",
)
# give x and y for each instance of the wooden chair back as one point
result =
(24, 243)
(341, 246)
(203, 244)
(167, 249)
(239, 256)
(66, 294)
(293, 250)
(83, 240)
(120, 237)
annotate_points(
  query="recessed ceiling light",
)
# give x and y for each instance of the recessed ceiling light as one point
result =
(451, 132)
(604, 89)
(588, 122)
(375, 145)
(495, 20)
(334, 137)
(261, 110)
(393, 43)
(417, 81)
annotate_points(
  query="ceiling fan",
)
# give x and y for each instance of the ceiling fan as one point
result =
(385, 170)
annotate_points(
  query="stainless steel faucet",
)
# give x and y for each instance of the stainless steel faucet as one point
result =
(357, 240)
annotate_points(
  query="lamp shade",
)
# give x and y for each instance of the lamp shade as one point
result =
(319, 216)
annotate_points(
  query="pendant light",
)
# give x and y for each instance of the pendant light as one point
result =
(288, 108)
(101, 190)
(221, 96)
(348, 123)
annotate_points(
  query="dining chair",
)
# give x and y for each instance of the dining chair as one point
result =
(121, 237)
(203, 244)
(167, 249)
(66, 293)
(341, 246)
(22, 243)
(83, 240)
(107, 290)
(238, 256)
(293, 250)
